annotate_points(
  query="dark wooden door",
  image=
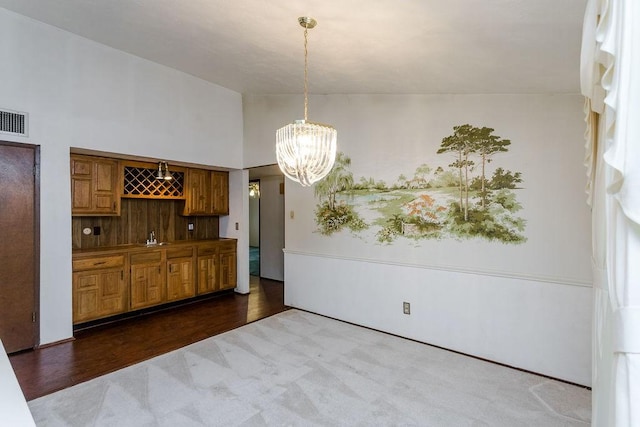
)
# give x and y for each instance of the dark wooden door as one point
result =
(19, 248)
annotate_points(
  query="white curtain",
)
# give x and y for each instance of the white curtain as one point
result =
(610, 81)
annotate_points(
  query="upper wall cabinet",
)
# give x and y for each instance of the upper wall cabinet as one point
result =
(197, 192)
(95, 188)
(98, 184)
(207, 193)
(220, 193)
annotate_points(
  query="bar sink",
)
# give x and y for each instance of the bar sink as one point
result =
(153, 245)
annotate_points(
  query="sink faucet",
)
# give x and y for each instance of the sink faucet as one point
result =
(152, 238)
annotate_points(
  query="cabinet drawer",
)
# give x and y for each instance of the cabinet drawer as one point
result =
(180, 253)
(146, 257)
(98, 262)
(207, 250)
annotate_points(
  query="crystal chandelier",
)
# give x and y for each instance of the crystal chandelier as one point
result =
(306, 150)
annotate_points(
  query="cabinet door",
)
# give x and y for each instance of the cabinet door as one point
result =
(207, 273)
(85, 296)
(227, 270)
(197, 193)
(146, 285)
(105, 187)
(180, 282)
(81, 173)
(94, 186)
(220, 193)
(98, 293)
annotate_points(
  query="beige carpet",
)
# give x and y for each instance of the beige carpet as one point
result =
(301, 369)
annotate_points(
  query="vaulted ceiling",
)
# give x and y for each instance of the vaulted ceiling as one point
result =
(359, 46)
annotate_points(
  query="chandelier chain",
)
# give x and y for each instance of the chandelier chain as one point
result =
(306, 79)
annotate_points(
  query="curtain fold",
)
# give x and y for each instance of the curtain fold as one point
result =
(610, 59)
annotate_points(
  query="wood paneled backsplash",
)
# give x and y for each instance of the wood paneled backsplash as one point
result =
(137, 219)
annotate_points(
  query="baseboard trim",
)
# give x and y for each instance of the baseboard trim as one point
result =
(51, 344)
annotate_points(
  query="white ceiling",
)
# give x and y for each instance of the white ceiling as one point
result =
(359, 46)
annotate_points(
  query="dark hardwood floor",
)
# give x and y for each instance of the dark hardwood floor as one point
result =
(107, 348)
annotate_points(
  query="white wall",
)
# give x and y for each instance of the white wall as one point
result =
(525, 305)
(236, 224)
(82, 94)
(271, 228)
(533, 325)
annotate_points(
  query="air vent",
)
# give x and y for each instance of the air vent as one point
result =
(13, 122)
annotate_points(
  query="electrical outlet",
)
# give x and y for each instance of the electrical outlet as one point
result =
(237, 226)
(96, 231)
(190, 226)
(406, 307)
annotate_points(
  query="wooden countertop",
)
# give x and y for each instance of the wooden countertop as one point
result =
(134, 247)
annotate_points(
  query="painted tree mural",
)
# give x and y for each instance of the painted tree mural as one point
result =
(339, 179)
(433, 202)
(467, 141)
(331, 216)
(462, 144)
(487, 144)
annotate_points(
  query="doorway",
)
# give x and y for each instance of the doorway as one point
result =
(267, 219)
(19, 253)
(254, 228)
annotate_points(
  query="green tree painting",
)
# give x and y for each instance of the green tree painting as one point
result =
(486, 145)
(450, 200)
(332, 216)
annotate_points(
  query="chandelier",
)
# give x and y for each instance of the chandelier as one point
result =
(306, 150)
(254, 189)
